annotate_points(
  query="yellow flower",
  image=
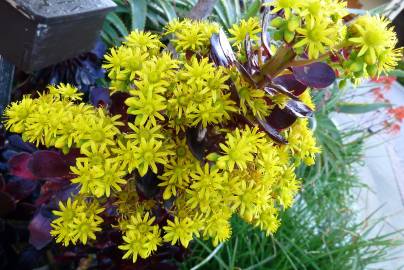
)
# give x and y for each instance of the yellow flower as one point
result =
(286, 5)
(316, 36)
(146, 132)
(76, 221)
(179, 231)
(175, 176)
(147, 42)
(372, 35)
(268, 220)
(146, 107)
(133, 62)
(86, 175)
(150, 152)
(238, 149)
(125, 154)
(66, 91)
(112, 179)
(250, 27)
(16, 114)
(98, 132)
(85, 227)
(114, 61)
(218, 228)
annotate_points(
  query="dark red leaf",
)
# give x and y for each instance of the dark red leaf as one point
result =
(281, 118)
(266, 17)
(59, 190)
(39, 229)
(18, 166)
(216, 52)
(317, 75)
(2, 183)
(24, 211)
(226, 47)
(16, 142)
(284, 118)
(272, 132)
(48, 164)
(20, 188)
(118, 107)
(299, 109)
(7, 204)
(100, 97)
(291, 84)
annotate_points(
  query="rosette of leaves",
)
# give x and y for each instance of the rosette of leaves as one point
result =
(83, 71)
(190, 137)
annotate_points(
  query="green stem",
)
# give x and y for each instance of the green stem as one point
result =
(281, 60)
(299, 63)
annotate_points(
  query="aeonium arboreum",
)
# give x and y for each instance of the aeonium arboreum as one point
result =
(195, 134)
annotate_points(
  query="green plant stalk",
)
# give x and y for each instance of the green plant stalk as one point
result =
(279, 62)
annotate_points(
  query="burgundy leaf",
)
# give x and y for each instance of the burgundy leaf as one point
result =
(284, 118)
(272, 132)
(20, 188)
(70, 158)
(222, 54)
(279, 89)
(266, 16)
(291, 84)
(16, 142)
(58, 189)
(24, 211)
(2, 183)
(48, 164)
(216, 52)
(281, 118)
(39, 229)
(299, 108)
(7, 204)
(226, 47)
(317, 75)
(18, 166)
(100, 97)
(248, 53)
(118, 107)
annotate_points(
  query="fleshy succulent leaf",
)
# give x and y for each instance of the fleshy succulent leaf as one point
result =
(18, 166)
(317, 75)
(291, 84)
(48, 164)
(272, 132)
(7, 204)
(100, 97)
(39, 229)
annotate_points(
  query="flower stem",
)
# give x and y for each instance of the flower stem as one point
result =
(281, 60)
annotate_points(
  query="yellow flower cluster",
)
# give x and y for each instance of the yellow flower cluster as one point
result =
(313, 25)
(76, 221)
(243, 171)
(375, 42)
(317, 28)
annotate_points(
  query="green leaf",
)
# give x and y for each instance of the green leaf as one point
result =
(359, 108)
(253, 9)
(138, 13)
(118, 24)
(396, 73)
